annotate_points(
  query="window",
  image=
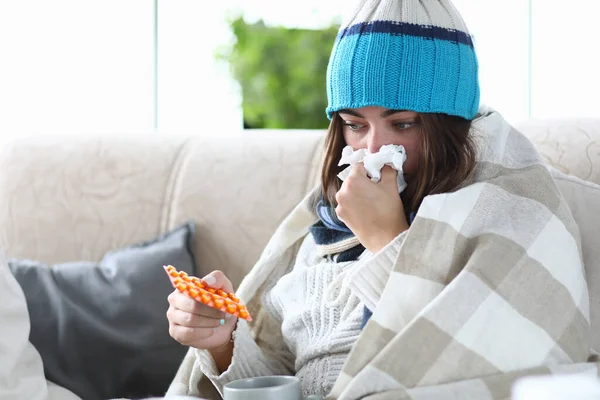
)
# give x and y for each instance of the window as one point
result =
(69, 66)
(536, 56)
(565, 81)
(500, 31)
(195, 93)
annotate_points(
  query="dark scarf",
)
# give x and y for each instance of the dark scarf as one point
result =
(330, 229)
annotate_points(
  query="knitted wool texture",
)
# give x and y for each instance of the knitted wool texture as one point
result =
(404, 55)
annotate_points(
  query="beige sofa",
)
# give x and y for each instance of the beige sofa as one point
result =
(76, 197)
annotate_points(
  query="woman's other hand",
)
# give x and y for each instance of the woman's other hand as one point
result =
(194, 324)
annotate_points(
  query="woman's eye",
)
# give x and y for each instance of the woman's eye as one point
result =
(405, 125)
(353, 127)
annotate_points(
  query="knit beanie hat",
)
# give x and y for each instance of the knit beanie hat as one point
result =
(405, 55)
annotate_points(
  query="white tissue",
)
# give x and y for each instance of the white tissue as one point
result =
(391, 154)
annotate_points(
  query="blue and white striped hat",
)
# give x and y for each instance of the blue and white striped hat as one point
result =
(406, 55)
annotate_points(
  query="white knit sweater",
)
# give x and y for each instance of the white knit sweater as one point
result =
(319, 307)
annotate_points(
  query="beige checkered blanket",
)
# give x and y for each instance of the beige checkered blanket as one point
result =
(495, 269)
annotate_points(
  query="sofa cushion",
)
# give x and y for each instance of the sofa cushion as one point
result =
(583, 199)
(101, 328)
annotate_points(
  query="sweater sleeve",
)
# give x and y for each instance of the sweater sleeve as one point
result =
(249, 359)
(372, 272)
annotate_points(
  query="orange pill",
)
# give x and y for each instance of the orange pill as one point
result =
(205, 298)
(197, 282)
(211, 290)
(182, 274)
(243, 314)
(221, 293)
(219, 303)
(174, 274)
(231, 308)
(181, 287)
(194, 292)
(232, 297)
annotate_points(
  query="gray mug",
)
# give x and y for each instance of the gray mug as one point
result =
(278, 387)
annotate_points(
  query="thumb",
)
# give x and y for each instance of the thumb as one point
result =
(389, 176)
(218, 280)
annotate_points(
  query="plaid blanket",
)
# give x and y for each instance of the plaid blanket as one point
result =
(487, 287)
(497, 270)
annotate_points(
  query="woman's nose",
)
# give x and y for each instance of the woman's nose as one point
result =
(375, 141)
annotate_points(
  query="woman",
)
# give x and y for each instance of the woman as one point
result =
(401, 72)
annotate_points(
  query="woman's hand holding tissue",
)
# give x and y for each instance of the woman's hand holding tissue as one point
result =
(372, 211)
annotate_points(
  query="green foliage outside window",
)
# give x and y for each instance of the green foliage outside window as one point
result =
(281, 72)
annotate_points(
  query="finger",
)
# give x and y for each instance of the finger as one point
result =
(190, 320)
(186, 335)
(185, 303)
(389, 175)
(218, 280)
(358, 169)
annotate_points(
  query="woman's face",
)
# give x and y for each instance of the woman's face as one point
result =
(372, 127)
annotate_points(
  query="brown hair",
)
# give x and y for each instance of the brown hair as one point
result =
(448, 158)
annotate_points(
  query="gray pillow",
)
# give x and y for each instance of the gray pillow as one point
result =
(101, 328)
